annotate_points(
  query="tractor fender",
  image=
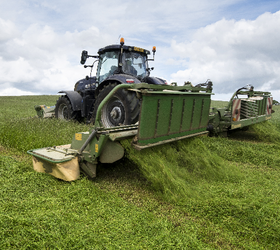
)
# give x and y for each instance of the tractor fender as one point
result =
(119, 79)
(75, 98)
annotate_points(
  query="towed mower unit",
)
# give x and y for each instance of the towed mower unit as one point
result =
(245, 108)
(167, 114)
(44, 111)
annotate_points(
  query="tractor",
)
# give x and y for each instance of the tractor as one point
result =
(117, 64)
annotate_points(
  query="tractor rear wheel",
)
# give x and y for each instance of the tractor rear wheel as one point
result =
(121, 109)
(63, 109)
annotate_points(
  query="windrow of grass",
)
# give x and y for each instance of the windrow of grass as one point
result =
(175, 169)
(267, 131)
(245, 152)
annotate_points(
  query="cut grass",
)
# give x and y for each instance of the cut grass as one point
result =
(176, 169)
(38, 211)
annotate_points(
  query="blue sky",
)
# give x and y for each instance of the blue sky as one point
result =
(233, 43)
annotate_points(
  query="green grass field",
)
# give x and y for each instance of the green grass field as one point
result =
(200, 193)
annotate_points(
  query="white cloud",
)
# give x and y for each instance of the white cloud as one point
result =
(7, 30)
(233, 53)
(16, 92)
(41, 41)
(39, 60)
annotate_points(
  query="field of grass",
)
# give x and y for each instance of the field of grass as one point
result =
(200, 193)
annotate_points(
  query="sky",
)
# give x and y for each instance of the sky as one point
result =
(232, 42)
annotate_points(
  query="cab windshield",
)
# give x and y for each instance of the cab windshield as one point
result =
(108, 64)
(134, 64)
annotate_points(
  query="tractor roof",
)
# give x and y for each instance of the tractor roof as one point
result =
(127, 48)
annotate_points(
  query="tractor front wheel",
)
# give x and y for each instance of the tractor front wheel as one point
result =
(63, 109)
(121, 109)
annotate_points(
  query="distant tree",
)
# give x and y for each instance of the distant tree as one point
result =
(275, 102)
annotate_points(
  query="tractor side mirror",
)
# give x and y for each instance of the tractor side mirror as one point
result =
(84, 56)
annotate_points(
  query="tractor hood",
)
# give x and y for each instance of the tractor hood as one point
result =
(123, 78)
(86, 83)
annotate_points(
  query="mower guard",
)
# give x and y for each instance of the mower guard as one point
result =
(55, 161)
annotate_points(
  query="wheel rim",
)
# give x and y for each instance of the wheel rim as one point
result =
(113, 113)
(63, 112)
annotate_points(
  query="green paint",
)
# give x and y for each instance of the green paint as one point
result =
(164, 117)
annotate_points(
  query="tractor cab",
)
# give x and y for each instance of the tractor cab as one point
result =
(121, 59)
(129, 62)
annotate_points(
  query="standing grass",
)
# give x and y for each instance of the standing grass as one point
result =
(201, 193)
(23, 106)
(35, 133)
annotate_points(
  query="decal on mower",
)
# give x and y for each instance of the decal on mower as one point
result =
(235, 126)
(78, 136)
(236, 105)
